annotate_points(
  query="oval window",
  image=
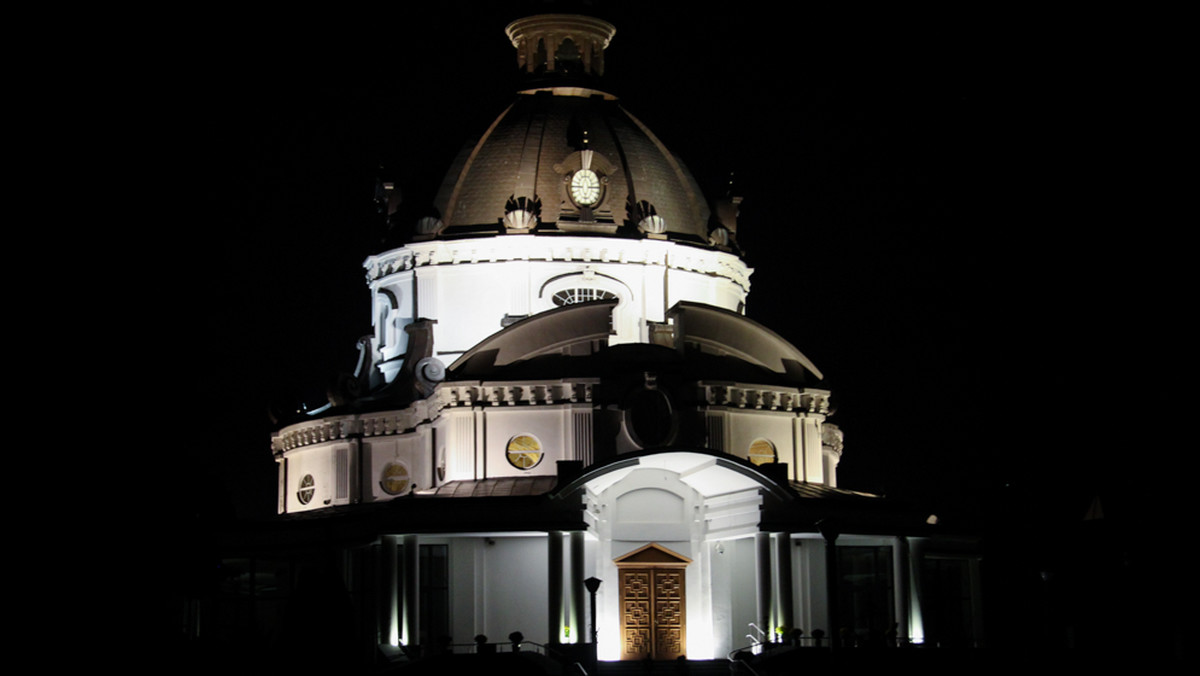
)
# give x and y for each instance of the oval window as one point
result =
(650, 418)
(394, 479)
(305, 494)
(524, 451)
(762, 451)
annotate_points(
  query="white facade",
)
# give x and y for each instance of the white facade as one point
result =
(473, 288)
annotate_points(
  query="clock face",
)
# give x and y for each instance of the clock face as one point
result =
(585, 188)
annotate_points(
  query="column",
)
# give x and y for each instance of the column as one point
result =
(410, 617)
(783, 572)
(555, 581)
(976, 601)
(391, 590)
(901, 587)
(575, 585)
(830, 532)
(915, 550)
(762, 565)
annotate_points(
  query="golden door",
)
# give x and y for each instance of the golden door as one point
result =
(653, 621)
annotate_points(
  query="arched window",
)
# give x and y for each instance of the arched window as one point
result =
(581, 295)
(582, 287)
(762, 451)
(386, 306)
(524, 451)
(394, 479)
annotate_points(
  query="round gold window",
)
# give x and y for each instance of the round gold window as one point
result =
(394, 479)
(524, 451)
(762, 451)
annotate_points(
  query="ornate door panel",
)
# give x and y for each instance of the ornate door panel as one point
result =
(636, 623)
(653, 611)
(670, 631)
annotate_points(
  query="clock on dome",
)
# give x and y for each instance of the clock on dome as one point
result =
(585, 188)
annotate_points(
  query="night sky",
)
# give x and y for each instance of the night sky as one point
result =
(926, 209)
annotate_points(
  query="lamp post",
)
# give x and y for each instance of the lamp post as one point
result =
(593, 585)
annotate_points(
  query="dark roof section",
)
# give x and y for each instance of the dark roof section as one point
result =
(709, 343)
(501, 487)
(804, 489)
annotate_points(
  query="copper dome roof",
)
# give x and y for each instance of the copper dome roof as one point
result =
(534, 148)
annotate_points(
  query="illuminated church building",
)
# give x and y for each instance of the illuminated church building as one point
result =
(561, 385)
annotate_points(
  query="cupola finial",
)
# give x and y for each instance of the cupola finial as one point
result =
(561, 44)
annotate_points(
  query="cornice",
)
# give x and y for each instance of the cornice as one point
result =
(445, 395)
(506, 248)
(765, 397)
(468, 394)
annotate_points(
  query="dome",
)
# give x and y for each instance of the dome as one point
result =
(566, 157)
(545, 145)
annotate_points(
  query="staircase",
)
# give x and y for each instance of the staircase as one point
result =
(664, 668)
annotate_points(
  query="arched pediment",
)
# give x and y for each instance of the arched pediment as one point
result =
(708, 473)
(722, 332)
(571, 329)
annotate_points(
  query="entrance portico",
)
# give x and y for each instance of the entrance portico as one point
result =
(659, 519)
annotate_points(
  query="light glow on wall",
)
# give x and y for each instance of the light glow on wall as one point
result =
(916, 627)
(394, 627)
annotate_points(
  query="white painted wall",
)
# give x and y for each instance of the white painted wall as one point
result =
(744, 602)
(317, 460)
(469, 286)
(546, 423)
(747, 425)
(515, 582)
(413, 450)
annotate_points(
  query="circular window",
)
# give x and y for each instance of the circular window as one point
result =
(305, 494)
(394, 479)
(762, 451)
(524, 451)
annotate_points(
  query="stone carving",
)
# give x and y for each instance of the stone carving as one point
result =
(646, 216)
(521, 213)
